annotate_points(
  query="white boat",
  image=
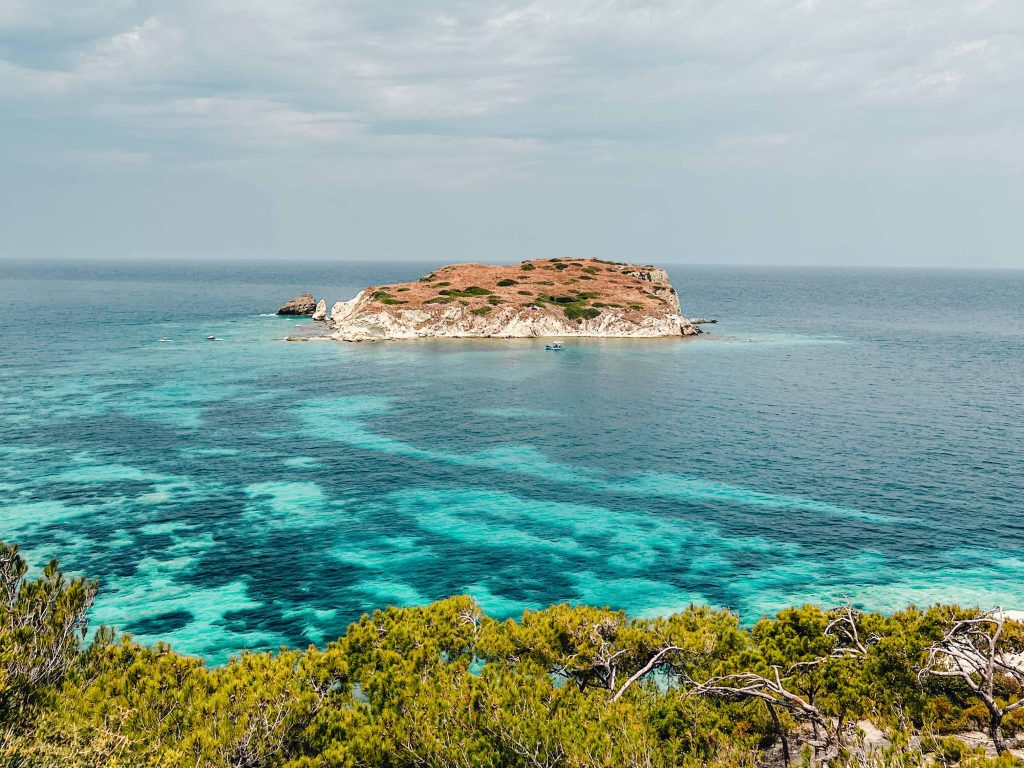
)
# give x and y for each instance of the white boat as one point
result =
(555, 346)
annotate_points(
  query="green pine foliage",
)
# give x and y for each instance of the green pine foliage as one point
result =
(446, 685)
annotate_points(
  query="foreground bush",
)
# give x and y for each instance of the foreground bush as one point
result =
(445, 685)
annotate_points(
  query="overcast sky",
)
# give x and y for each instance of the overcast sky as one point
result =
(709, 131)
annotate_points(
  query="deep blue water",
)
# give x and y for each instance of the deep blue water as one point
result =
(840, 432)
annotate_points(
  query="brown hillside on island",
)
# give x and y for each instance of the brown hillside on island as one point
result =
(588, 283)
(554, 297)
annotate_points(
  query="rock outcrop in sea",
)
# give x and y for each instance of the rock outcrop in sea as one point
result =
(300, 305)
(549, 298)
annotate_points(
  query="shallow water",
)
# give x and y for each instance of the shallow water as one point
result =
(840, 432)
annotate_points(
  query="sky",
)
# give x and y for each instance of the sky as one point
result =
(810, 132)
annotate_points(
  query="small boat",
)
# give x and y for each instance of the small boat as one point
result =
(164, 339)
(555, 346)
(214, 338)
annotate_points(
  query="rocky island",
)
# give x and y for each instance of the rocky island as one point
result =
(553, 297)
(304, 304)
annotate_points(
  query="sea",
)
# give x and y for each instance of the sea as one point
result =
(838, 434)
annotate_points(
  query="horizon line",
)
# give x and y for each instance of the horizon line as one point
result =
(192, 258)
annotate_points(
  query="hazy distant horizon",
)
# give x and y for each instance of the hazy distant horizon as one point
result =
(321, 260)
(794, 132)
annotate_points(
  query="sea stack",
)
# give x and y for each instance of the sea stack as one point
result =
(300, 305)
(538, 298)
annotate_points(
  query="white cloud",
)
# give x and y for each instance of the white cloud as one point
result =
(251, 122)
(106, 158)
(764, 140)
(59, 16)
(546, 71)
(554, 93)
(145, 55)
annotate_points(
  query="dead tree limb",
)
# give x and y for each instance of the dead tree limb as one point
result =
(976, 652)
(843, 628)
(772, 691)
(654, 661)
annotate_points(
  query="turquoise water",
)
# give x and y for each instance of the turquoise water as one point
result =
(840, 432)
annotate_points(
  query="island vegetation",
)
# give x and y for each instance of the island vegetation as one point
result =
(446, 685)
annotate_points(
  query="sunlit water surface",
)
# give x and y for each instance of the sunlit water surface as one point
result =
(837, 433)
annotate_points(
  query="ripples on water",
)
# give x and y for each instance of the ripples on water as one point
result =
(839, 432)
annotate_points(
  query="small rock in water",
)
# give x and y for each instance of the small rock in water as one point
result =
(300, 305)
(321, 310)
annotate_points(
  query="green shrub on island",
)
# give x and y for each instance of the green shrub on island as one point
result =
(575, 686)
(507, 282)
(527, 267)
(577, 312)
(471, 291)
(574, 307)
(386, 298)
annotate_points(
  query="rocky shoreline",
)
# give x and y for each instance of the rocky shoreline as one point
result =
(533, 299)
